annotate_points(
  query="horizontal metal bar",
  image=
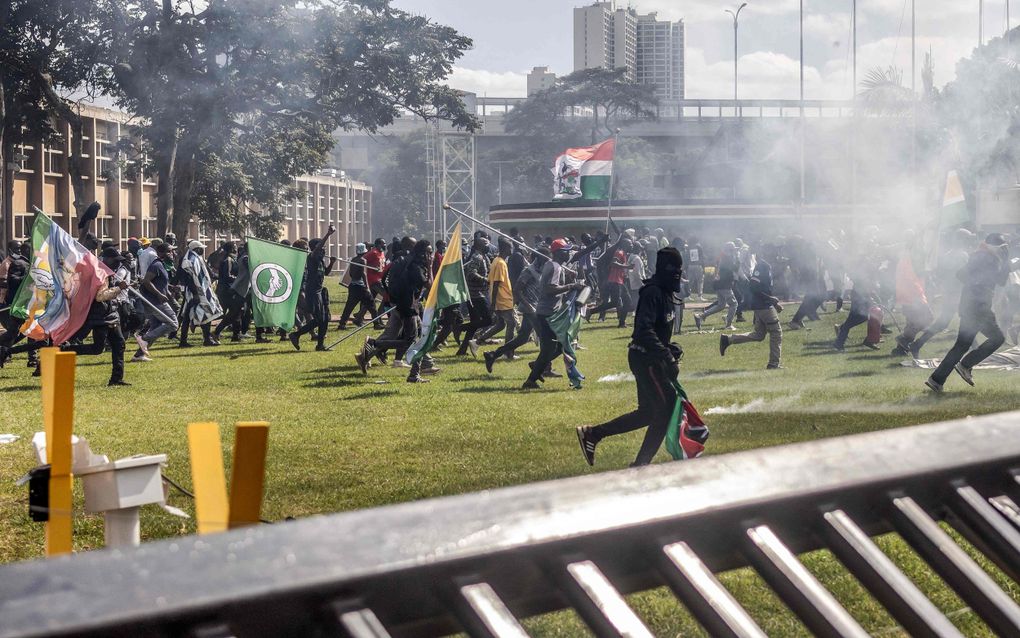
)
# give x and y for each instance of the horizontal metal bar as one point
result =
(281, 575)
(958, 569)
(884, 580)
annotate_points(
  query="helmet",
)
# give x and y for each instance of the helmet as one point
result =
(559, 244)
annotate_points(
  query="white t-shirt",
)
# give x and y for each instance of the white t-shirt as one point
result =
(636, 274)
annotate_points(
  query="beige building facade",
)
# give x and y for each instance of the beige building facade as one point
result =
(128, 195)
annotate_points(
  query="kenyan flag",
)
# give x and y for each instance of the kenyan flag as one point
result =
(686, 433)
(449, 288)
(584, 172)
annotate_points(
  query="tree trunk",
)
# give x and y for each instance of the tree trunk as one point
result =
(183, 187)
(6, 176)
(166, 175)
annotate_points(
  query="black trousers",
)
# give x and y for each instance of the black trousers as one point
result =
(318, 310)
(356, 295)
(808, 307)
(616, 296)
(946, 314)
(549, 347)
(976, 319)
(101, 335)
(449, 322)
(234, 311)
(522, 337)
(859, 307)
(656, 399)
(11, 327)
(481, 317)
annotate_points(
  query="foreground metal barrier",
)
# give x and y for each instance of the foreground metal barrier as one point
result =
(480, 562)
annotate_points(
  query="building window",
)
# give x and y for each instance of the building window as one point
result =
(54, 161)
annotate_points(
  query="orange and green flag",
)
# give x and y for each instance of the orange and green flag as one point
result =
(449, 288)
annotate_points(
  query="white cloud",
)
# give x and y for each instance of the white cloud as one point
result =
(763, 75)
(508, 84)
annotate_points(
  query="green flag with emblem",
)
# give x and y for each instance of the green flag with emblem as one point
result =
(276, 275)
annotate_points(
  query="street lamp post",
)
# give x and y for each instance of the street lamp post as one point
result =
(736, 17)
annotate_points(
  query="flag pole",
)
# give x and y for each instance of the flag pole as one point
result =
(512, 240)
(360, 328)
(612, 178)
(348, 261)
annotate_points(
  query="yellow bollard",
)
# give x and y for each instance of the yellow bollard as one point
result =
(58, 421)
(207, 477)
(248, 473)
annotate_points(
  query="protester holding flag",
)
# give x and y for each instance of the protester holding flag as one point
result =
(552, 288)
(654, 361)
(103, 321)
(476, 272)
(408, 280)
(316, 295)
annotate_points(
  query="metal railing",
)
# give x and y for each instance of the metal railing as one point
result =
(480, 562)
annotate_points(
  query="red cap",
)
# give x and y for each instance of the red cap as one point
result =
(558, 244)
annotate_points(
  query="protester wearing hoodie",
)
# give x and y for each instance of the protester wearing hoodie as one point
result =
(653, 360)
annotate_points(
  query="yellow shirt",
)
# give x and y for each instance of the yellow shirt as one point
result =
(498, 273)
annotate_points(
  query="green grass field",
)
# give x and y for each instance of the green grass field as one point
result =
(342, 441)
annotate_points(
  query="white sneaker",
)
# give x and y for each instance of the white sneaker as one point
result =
(142, 345)
(400, 363)
(140, 357)
(473, 348)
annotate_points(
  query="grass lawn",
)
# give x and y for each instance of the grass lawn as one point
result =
(341, 441)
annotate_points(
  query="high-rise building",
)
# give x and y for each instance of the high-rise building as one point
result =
(540, 79)
(660, 56)
(611, 37)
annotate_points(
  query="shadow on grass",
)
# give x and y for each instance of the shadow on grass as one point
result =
(714, 373)
(233, 353)
(505, 390)
(20, 388)
(856, 373)
(372, 395)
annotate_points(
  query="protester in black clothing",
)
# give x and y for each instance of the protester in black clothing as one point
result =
(408, 278)
(104, 322)
(316, 295)
(186, 279)
(654, 361)
(552, 288)
(987, 268)
(227, 273)
(476, 274)
(527, 292)
(357, 290)
(950, 287)
(237, 306)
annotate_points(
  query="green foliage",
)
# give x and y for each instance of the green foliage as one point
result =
(249, 92)
(398, 183)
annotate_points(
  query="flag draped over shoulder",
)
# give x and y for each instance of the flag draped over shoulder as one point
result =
(954, 204)
(63, 281)
(584, 172)
(277, 272)
(566, 325)
(687, 432)
(208, 306)
(449, 288)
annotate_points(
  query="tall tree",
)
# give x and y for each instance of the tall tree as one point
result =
(241, 96)
(49, 54)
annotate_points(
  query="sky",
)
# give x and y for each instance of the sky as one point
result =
(512, 36)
